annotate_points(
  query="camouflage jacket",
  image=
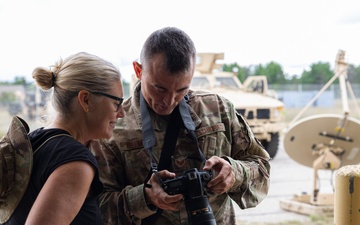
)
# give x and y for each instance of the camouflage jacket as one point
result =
(124, 163)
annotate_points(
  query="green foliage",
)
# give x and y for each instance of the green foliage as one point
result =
(241, 72)
(20, 80)
(320, 73)
(354, 74)
(273, 71)
(321, 219)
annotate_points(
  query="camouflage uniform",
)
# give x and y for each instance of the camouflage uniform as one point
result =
(124, 163)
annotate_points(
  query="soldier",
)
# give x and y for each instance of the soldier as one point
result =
(131, 162)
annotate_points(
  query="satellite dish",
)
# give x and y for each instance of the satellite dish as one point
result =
(323, 142)
(306, 138)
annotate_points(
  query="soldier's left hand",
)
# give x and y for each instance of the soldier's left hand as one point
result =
(224, 177)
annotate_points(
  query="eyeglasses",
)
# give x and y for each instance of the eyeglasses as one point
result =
(110, 96)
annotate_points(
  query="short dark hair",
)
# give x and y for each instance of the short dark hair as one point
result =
(178, 49)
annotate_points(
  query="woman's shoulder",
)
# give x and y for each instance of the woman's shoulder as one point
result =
(39, 136)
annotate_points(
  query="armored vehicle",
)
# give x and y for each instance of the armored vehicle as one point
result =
(253, 99)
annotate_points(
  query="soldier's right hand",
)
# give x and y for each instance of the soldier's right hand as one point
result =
(155, 194)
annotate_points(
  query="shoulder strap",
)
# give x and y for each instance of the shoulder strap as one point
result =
(179, 118)
(171, 135)
(57, 135)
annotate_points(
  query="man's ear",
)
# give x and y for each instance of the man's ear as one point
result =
(83, 98)
(138, 69)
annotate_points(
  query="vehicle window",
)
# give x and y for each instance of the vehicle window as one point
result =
(226, 81)
(200, 82)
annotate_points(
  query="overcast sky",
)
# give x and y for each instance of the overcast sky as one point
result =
(293, 33)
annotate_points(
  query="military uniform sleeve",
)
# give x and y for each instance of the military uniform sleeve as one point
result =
(250, 163)
(120, 204)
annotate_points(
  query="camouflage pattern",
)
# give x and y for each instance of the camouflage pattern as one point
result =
(15, 166)
(124, 163)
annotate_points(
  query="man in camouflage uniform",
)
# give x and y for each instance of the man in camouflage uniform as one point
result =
(239, 162)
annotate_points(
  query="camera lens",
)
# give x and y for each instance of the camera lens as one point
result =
(199, 211)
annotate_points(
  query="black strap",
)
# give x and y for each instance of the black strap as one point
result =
(180, 117)
(171, 135)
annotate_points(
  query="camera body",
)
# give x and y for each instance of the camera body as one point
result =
(193, 185)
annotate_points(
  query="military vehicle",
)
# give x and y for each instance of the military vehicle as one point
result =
(253, 99)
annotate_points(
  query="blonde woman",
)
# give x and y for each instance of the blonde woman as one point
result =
(64, 184)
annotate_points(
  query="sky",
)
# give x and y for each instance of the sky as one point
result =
(292, 33)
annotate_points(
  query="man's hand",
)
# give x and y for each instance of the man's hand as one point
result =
(154, 193)
(224, 176)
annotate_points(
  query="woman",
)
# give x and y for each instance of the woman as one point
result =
(87, 98)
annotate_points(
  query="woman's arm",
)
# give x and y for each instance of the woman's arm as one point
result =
(63, 194)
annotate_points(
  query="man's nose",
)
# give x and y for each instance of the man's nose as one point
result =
(169, 99)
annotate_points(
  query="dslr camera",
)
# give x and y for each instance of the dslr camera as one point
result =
(192, 184)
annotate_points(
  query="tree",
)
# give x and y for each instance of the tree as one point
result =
(20, 80)
(354, 74)
(319, 73)
(273, 71)
(241, 72)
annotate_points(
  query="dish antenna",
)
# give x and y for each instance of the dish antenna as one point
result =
(323, 142)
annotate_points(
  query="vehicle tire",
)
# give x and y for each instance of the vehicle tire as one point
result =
(272, 146)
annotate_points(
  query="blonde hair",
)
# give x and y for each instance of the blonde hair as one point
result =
(81, 71)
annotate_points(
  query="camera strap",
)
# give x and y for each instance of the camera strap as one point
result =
(180, 117)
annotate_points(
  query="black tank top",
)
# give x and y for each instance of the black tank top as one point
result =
(51, 155)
